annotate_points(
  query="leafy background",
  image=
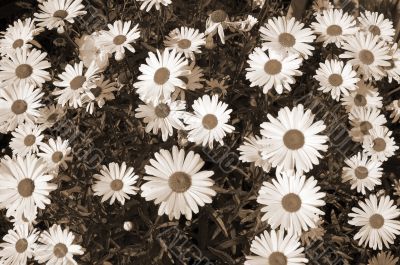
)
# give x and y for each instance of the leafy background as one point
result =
(222, 232)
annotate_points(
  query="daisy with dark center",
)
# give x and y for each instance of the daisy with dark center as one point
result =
(174, 181)
(216, 23)
(115, 182)
(162, 115)
(362, 172)
(156, 3)
(286, 35)
(376, 219)
(333, 26)
(364, 96)
(376, 24)
(161, 74)
(119, 37)
(102, 92)
(74, 84)
(276, 248)
(394, 107)
(50, 114)
(293, 140)
(56, 246)
(383, 258)
(320, 6)
(19, 245)
(367, 54)
(337, 78)
(24, 67)
(185, 40)
(209, 121)
(55, 153)
(192, 80)
(380, 144)
(216, 87)
(250, 151)
(19, 104)
(26, 139)
(393, 71)
(272, 70)
(55, 13)
(24, 186)
(291, 202)
(363, 120)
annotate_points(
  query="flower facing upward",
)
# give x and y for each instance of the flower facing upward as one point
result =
(363, 120)
(100, 93)
(50, 114)
(26, 139)
(376, 24)
(364, 96)
(55, 153)
(379, 144)
(186, 40)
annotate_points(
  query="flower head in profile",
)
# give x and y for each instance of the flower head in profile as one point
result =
(383, 258)
(148, 4)
(90, 51)
(394, 107)
(216, 22)
(393, 71)
(250, 151)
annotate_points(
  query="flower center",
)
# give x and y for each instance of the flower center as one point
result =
(29, 140)
(21, 245)
(77, 82)
(273, 67)
(180, 181)
(60, 14)
(375, 30)
(53, 117)
(365, 126)
(96, 91)
(361, 172)
(287, 40)
(291, 202)
(379, 144)
(366, 57)
(23, 71)
(335, 79)
(57, 156)
(161, 76)
(277, 258)
(376, 221)
(120, 39)
(218, 16)
(116, 185)
(184, 43)
(360, 100)
(26, 187)
(210, 121)
(60, 250)
(293, 139)
(19, 106)
(18, 43)
(162, 110)
(334, 30)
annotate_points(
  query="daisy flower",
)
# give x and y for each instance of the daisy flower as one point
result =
(362, 172)
(333, 25)
(74, 84)
(24, 185)
(102, 92)
(156, 3)
(217, 87)
(55, 153)
(376, 219)
(24, 67)
(336, 77)
(286, 35)
(250, 151)
(291, 202)
(383, 258)
(364, 96)
(367, 54)
(192, 81)
(19, 245)
(162, 115)
(208, 123)
(393, 71)
(19, 104)
(186, 40)
(272, 70)
(115, 182)
(90, 51)
(292, 140)
(379, 144)
(55, 13)
(216, 23)
(394, 107)
(56, 247)
(160, 75)
(49, 115)
(321, 5)
(276, 248)
(118, 38)
(26, 139)
(363, 120)
(174, 181)
(376, 24)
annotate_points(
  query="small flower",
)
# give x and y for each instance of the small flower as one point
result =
(394, 107)
(364, 96)
(49, 115)
(250, 151)
(185, 40)
(383, 258)
(156, 3)
(90, 51)
(56, 153)
(26, 139)
(216, 87)
(393, 71)
(379, 144)
(193, 81)
(376, 24)
(217, 22)
(320, 6)
(363, 120)
(102, 92)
